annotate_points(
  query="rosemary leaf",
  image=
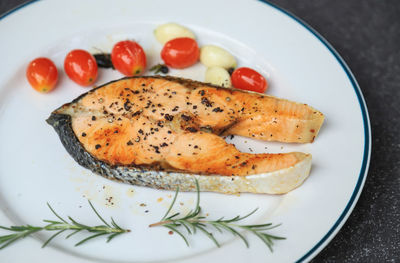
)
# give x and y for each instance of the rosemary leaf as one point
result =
(104, 221)
(52, 237)
(6, 228)
(91, 237)
(54, 212)
(208, 234)
(172, 204)
(178, 232)
(109, 238)
(73, 233)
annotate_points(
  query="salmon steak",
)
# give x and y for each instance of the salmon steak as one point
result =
(165, 132)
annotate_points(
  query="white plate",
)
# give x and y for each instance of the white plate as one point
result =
(299, 64)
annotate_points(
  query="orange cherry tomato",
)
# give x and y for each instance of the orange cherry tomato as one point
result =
(42, 74)
(81, 67)
(129, 58)
(180, 52)
(249, 79)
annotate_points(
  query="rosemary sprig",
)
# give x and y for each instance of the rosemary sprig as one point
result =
(110, 229)
(194, 222)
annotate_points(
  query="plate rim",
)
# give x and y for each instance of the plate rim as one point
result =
(367, 137)
(366, 123)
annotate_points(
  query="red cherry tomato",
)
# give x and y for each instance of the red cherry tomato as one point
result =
(180, 52)
(81, 67)
(129, 58)
(249, 79)
(42, 74)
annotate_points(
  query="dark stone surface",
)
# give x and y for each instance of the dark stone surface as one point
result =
(367, 35)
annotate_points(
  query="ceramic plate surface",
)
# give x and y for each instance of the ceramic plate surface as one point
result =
(300, 66)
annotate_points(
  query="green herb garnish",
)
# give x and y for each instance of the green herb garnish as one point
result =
(194, 222)
(160, 68)
(110, 229)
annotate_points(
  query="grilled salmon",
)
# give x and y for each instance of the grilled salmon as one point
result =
(165, 131)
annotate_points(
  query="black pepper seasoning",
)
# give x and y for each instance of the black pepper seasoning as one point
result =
(191, 129)
(217, 109)
(168, 117)
(185, 117)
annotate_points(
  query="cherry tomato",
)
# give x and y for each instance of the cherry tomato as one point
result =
(180, 52)
(249, 79)
(129, 58)
(42, 74)
(81, 67)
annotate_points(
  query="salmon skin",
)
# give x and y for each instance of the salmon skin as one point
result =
(164, 132)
